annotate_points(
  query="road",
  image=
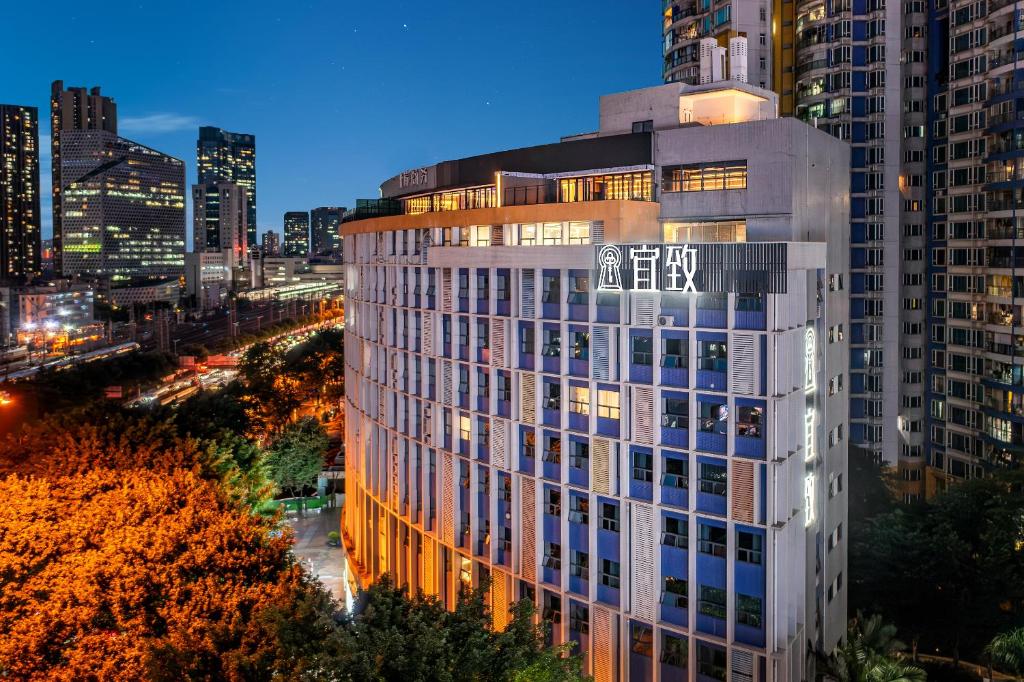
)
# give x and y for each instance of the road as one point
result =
(311, 548)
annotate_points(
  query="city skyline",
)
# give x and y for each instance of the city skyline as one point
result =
(340, 66)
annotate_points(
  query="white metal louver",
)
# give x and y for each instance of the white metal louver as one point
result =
(643, 414)
(527, 302)
(601, 463)
(599, 354)
(446, 290)
(429, 581)
(741, 490)
(428, 333)
(528, 397)
(597, 232)
(642, 558)
(605, 644)
(742, 665)
(499, 600)
(499, 443)
(527, 529)
(643, 309)
(446, 383)
(743, 355)
(447, 499)
(498, 342)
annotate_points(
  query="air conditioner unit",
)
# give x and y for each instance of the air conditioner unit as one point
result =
(664, 321)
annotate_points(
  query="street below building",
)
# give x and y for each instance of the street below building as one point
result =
(311, 549)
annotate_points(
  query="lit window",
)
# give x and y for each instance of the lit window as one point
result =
(528, 234)
(608, 404)
(579, 400)
(552, 234)
(579, 233)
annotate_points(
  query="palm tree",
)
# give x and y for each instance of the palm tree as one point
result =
(1007, 650)
(871, 653)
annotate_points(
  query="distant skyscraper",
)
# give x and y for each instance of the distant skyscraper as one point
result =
(271, 243)
(325, 230)
(229, 157)
(72, 109)
(220, 220)
(19, 191)
(296, 234)
(124, 215)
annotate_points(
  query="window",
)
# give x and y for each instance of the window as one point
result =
(552, 234)
(748, 422)
(483, 288)
(710, 659)
(609, 517)
(502, 286)
(643, 467)
(643, 126)
(675, 353)
(579, 400)
(674, 650)
(552, 556)
(675, 413)
(711, 540)
(748, 610)
(579, 233)
(580, 349)
(579, 454)
(713, 417)
(610, 573)
(676, 473)
(528, 234)
(579, 618)
(552, 395)
(674, 532)
(579, 509)
(526, 342)
(579, 286)
(712, 602)
(748, 547)
(552, 343)
(553, 502)
(676, 593)
(529, 444)
(712, 356)
(750, 303)
(703, 177)
(643, 640)
(552, 449)
(552, 289)
(608, 404)
(642, 350)
(465, 426)
(579, 564)
(504, 387)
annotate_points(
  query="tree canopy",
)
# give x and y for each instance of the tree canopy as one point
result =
(296, 456)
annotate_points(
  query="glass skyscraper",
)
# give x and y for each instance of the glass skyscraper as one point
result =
(296, 234)
(325, 230)
(223, 156)
(19, 192)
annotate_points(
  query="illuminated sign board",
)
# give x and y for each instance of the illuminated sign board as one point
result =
(810, 383)
(731, 267)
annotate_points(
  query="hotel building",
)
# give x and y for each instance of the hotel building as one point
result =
(607, 375)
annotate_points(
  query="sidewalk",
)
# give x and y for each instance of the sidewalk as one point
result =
(311, 548)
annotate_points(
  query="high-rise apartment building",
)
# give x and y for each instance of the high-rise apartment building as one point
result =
(296, 234)
(123, 207)
(610, 375)
(325, 231)
(975, 356)
(220, 221)
(842, 66)
(222, 156)
(19, 192)
(72, 109)
(271, 243)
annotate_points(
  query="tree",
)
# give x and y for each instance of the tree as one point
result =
(869, 653)
(296, 457)
(1006, 650)
(319, 364)
(270, 394)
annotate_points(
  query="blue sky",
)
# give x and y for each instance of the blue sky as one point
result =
(342, 94)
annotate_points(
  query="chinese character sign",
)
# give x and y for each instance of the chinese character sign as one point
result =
(659, 267)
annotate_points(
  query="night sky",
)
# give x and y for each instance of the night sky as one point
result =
(340, 95)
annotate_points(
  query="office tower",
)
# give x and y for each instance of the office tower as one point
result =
(608, 376)
(123, 207)
(325, 231)
(19, 192)
(741, 30)
(72, 109)
(229, 157)
(220, 221)
(973, 373)
(271, 243)
(296, 234)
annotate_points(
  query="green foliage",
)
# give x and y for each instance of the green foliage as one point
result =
(296, 456)
(1006, 651)
(968, 542)
(869, 653)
